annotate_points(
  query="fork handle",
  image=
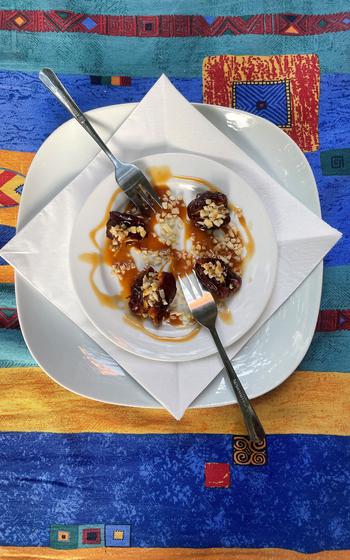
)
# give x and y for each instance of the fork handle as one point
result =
(55, 86)
(255, 430)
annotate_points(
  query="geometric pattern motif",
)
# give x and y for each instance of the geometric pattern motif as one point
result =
(9, 198)
(111, 80)
(91, 536)
(6, 233)
(64, 536)
(172, 25)
(118, 535)
(8, 318)
(246, 452)
(11, 184)
(285, 89)
(268, 99)
(330, 320)
(335, 162)
(217, 475)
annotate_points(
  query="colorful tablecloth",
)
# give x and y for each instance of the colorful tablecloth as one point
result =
(78, 476)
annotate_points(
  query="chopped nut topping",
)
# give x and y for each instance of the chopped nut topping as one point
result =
(209, 210)
(118, 233)
(213, 214)
(120, 268)
(216, 256)
(214, 270)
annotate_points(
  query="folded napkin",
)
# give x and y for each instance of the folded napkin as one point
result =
(165, 122)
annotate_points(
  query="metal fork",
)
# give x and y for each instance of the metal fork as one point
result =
(203, 308)
(129, 177)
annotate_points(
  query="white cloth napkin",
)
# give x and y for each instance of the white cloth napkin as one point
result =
(165, 122)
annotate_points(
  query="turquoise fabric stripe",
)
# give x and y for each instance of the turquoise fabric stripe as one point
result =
(88, 54)
(7, 295)
(336, 287)
(13, 350)
(329, 351)
(200, 7)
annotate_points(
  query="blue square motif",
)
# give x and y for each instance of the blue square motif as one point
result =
(270, 100)
(89, 23)
(117, 535)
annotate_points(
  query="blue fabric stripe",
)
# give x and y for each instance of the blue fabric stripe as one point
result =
(156, 483)
(334, 131)
(204, 7)
(335, 206)
(87, 54)
(26, 98)
(23, 97)
(334, 126)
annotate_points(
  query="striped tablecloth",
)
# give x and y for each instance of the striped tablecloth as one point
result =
(77, 476)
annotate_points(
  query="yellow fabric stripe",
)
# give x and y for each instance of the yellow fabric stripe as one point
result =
(6, 273)
(19, 553)
(16, 161)
(8, 216)
(31, 401)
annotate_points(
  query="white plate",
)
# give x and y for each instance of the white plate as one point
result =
(245, 307)
(74, 360)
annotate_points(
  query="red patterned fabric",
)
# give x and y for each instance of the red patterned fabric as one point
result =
(172, 25)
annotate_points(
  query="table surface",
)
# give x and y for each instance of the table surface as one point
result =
(78, 474)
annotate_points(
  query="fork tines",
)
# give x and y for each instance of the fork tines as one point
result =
(195, 290)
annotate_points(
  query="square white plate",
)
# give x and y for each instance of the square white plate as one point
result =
(73, 360)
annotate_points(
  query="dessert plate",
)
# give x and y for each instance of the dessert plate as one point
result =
(97, 287)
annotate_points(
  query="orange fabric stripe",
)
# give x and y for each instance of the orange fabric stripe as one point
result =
(8, 216)
(19, 553)
(300, 405)
(16, 161)
(6, 273)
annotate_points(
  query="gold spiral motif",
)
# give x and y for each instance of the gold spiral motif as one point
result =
(241, 457)
(258, 445)
(246, 452)
(257, 459)
(241, 443)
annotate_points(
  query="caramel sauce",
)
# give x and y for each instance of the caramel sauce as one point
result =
(103, 222)
(203, 182)
(226, 316)
(249, 244)
(161, 175)
(137, 324)
(178, 266)
(106, 300)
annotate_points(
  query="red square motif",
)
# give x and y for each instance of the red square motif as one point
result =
(92, 535)
(217, 475)
(300, 71)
